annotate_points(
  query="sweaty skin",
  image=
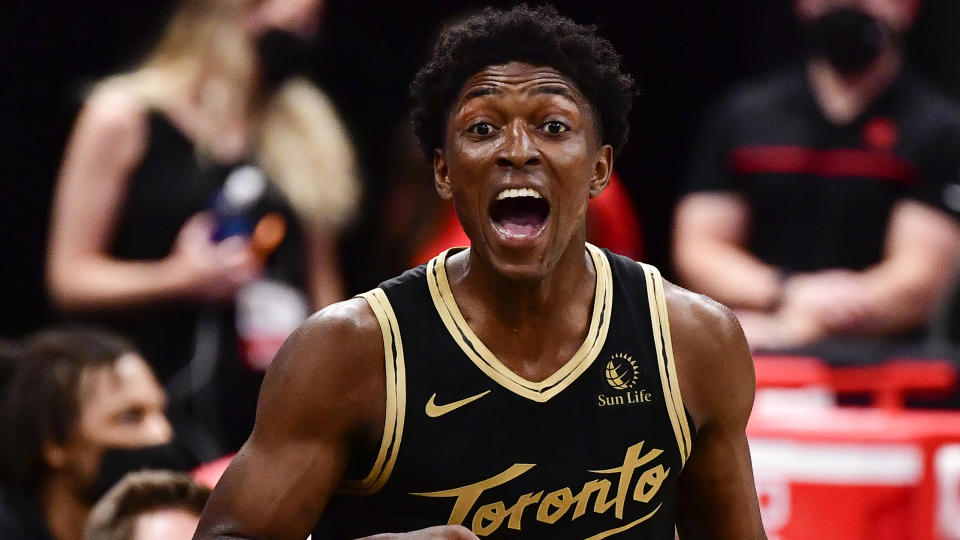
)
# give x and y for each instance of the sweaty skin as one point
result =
(512, 126)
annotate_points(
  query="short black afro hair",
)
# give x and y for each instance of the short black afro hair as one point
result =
(539, 36)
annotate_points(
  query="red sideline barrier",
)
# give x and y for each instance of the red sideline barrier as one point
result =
(844, 473)
(890, 382)
(208, 474)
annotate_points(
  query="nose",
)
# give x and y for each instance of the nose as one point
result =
(519, 148)
(157, 429)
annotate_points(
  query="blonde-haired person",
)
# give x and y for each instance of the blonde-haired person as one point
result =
(132, 240)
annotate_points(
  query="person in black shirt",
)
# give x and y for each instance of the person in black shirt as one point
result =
(819, 199)
(530, 385)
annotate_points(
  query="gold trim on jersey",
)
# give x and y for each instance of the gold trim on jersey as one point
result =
(665, 360)
(396, 398)
(484, 359)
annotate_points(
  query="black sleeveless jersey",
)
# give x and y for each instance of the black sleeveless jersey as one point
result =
(593, 451)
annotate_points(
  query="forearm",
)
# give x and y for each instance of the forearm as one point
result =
(98, 283)
(902, 298)
(728, 274)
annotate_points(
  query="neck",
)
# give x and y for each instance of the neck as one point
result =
(843, 97)
(64, 512)
(216, 114)
(527, 302)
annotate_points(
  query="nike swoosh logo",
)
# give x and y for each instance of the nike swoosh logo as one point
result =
(434, 410)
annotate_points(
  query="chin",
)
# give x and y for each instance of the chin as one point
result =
(527, 263)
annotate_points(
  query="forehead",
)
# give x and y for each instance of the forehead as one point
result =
(127, 379)
(520, 78)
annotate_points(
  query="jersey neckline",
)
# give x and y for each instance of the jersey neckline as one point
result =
(486, 361)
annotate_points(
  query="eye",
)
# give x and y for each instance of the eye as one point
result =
(133, 415)
(555, 127)
(481, 128)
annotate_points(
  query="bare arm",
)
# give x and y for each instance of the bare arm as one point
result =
(716, 498)
(323, 393)
(710, 232)
(897, 294)
(922, 251)
(107, 144)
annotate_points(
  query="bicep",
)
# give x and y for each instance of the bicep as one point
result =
(922, 236)
(313, 406)
(717, 497)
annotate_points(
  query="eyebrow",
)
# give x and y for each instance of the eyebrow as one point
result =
(555, 89)
(549, 89)
(482, 91)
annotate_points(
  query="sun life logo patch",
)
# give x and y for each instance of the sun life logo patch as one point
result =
(622, 372)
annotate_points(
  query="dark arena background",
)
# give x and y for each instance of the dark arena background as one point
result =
(683, 54)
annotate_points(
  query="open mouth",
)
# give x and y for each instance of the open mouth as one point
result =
(519, 213)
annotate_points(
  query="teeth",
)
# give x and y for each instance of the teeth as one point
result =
(522, 192)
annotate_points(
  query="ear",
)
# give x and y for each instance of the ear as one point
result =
(441, 176)
(602, 168)
(54, 455)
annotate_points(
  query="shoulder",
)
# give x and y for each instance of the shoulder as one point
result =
(332, 365)
(113, 122)
(340, 337)
(715, 368)
(113, 107)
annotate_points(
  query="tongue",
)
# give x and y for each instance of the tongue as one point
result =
(521, 225)
(521, 216)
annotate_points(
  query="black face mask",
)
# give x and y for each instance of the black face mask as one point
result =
(847, 38)
(282, 55)
(119, 461)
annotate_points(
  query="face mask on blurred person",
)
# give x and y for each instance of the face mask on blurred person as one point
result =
(849, 39)
(118, 461)
(282, 55)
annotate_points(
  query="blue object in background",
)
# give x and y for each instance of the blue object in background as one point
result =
(232, 206)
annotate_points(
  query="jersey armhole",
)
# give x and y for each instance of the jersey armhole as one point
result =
(396, 398)
(660, 323)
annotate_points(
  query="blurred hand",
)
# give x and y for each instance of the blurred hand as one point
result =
(444, 532)
(779, 330)
(837, 300)
(212, 272)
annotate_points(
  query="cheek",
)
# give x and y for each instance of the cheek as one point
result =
(84, 460)
(897, 13)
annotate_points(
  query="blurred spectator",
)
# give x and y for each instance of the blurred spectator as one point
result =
(822, 200)
(216, 109)
(148, 505)
(79, 409)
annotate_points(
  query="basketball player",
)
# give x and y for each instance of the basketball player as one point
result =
(529, 386)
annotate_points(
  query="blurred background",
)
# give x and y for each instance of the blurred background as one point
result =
(684, 55)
